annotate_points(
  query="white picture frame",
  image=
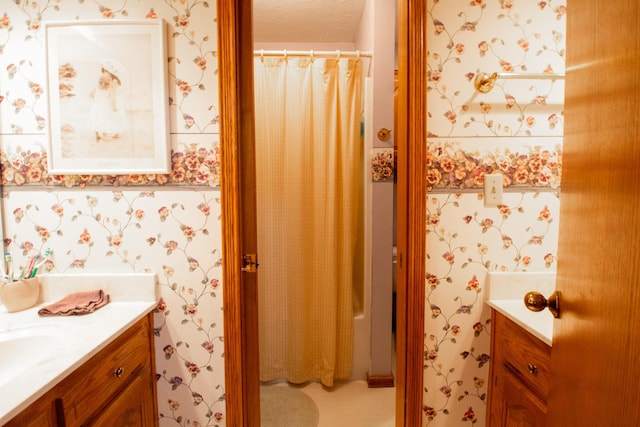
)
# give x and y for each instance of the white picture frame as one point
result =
(107, 97)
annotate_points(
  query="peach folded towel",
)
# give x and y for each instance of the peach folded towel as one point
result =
(78, 303)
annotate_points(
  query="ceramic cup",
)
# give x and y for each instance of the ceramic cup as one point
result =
(20, 295)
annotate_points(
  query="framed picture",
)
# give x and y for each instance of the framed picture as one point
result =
(107, 97)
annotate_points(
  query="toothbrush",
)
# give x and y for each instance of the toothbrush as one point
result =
(26, 272)
(9, 265)
(47, 253)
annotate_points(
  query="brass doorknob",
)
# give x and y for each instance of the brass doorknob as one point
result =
(535, 301)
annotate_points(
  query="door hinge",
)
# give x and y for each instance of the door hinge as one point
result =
(250, 263)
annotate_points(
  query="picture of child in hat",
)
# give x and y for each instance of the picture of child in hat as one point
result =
(107, 116)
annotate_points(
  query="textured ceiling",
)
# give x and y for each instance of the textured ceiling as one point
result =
(326, 21)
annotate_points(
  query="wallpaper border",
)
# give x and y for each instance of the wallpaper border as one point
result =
(194, 166)
(451, 167)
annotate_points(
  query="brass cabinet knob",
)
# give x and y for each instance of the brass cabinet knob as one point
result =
(118, 372)
(535, 301)
(533, 369)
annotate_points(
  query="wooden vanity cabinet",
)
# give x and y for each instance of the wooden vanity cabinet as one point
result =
(116, 387)
(520, 375)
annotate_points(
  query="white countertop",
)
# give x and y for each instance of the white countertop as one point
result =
(75, 338)
(506, 293)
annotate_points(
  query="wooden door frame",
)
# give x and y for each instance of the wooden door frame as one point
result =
(235, 68)
(411, 135)
(237, 183)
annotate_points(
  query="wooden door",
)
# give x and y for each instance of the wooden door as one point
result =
(235, 69)
(240, 294)
(595, 361)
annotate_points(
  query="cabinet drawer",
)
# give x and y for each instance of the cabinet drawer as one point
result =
(525, 355)
(97, 382)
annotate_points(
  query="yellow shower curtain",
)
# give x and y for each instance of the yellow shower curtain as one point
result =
(309, 200)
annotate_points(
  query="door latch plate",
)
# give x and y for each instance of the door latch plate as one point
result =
(250, 263)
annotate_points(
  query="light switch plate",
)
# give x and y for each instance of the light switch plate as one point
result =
(492, 190)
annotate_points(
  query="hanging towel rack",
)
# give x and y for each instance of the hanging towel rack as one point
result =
(485, 82)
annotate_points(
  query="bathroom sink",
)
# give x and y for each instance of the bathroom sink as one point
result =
(24, 347)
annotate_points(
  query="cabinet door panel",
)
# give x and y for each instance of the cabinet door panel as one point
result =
(39, 414)
(132, 408)
(518, 406)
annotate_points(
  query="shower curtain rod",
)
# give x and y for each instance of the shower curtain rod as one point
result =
(314, 53)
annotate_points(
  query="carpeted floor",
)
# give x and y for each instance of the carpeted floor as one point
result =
(286, 407)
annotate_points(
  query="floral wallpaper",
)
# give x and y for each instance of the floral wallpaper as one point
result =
(515, 130)
(165, 224)
(467, 38)
(464, 242)
(191, 61)
(174, 234)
